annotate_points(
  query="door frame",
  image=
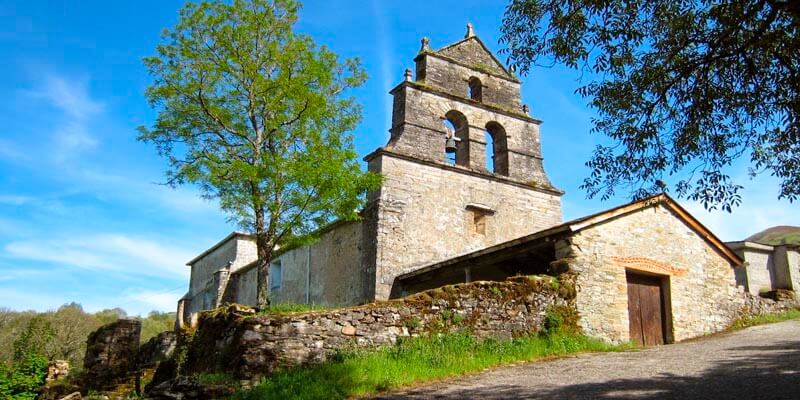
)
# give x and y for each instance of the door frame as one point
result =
(666, 302)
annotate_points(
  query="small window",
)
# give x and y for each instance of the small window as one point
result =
(479, 223)
(475, 89)
(275, 275)
(479, 217)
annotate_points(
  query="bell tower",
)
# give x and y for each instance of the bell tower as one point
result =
(462, 169)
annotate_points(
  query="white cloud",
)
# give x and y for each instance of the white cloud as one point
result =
(107, 252)
(71, 96)
(70, 134)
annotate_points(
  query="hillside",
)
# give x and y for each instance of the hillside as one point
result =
(777, 235)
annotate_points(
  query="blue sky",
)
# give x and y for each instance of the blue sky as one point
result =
(82, 217)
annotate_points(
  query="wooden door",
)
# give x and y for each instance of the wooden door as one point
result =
(645, 309)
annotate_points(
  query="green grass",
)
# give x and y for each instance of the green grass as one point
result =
(765, 319)
(285, 308)
(412, 361)
(217, 379)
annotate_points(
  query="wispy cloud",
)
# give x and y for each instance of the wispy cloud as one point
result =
(76, 108)
(106, 252)
(68, 95)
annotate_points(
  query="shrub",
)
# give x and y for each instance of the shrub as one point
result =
(23, 380)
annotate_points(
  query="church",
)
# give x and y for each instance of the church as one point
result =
(465, 197)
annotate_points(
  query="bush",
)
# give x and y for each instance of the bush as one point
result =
(24, 380)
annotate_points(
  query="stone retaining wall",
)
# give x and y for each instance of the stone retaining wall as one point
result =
(249, 346)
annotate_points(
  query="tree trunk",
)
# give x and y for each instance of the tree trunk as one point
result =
(264, 252)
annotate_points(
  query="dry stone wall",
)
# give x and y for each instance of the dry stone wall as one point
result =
(252, 346)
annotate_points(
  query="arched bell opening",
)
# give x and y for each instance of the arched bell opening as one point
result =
(456, 138)
(496, 149)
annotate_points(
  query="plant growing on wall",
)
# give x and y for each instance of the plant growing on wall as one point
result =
(257, 116)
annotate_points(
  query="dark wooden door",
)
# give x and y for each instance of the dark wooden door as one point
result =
(645, 309)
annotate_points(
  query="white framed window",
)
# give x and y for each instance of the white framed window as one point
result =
(275, 275)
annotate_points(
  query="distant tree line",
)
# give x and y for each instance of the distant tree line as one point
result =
(29, 340)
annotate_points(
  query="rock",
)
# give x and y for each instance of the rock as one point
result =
(57, 369)
(348, 330)
(72, 396)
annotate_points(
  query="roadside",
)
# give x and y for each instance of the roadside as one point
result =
(757, 362)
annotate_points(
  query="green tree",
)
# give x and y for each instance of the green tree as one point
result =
(23, 379)
(34, 340)
(256, 116)
(155, 323)
(682, 88)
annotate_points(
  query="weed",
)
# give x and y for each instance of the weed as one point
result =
(412, 323)
(765, 319)
(217, 379)
(286, 308)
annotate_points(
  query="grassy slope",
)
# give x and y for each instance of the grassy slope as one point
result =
(413, 361)
(777, 235)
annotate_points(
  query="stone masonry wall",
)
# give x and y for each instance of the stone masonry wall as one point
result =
(418, 131)
(452, 78)
(760, 270)
(326, 272)
(423, 216)
(702, 293)
(251, 346)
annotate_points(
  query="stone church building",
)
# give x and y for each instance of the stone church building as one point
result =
(465, 197)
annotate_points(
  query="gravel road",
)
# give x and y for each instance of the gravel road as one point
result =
(761, 362)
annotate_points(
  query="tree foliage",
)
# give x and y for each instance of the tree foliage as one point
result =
(22, 379)
(256, 116)
(61, 334)
(682, 88)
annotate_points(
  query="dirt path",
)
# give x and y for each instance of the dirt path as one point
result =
(760, 362)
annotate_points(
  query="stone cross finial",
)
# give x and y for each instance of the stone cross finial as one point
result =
(425, 45)
(470, 31)
(407, 74)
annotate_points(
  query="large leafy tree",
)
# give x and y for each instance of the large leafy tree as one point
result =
(257, 116)
(682, 88)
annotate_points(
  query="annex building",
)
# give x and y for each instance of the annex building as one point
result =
(465, 197)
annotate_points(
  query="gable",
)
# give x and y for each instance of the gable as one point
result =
(660, 222)
(471, 51)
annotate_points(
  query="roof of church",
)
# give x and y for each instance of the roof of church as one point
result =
(582, 223)
(483, 59)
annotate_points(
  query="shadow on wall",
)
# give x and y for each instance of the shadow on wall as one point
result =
(771, 374)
